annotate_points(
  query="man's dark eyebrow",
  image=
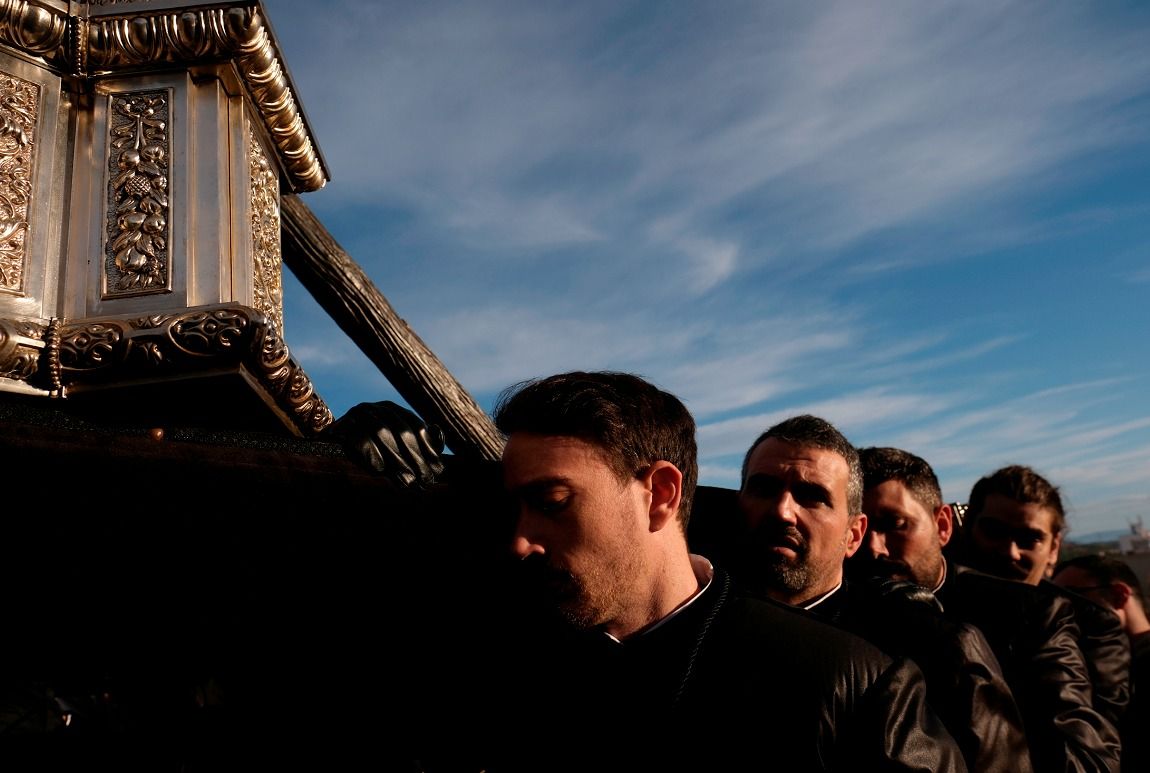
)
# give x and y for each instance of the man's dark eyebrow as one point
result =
(540, 484)
(1002, 527)
(810, 487)
(761, 478)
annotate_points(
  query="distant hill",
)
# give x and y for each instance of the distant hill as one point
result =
(1095, 537)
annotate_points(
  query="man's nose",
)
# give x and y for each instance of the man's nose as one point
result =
(876, 544)
(523, 542)
(784, 507)
(521, 546)
(1014, 552)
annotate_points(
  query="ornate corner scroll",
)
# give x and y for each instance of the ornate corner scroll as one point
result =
(137, 259)
(198, 34)
(21, 345)
(19, 106)
(166, 345)
(267, 268)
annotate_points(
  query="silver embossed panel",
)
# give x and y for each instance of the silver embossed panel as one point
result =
(137, 259)
(19, 103)
(267, 282)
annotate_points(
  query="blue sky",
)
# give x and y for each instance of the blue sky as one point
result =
(928, 223)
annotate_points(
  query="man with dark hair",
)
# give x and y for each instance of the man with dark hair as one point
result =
(801, 501)
(909, 523)
(658, 662)
(1015, 524)
(1110, 582)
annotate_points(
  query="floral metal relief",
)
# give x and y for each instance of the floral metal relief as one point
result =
(137, 259)
(19, 102)
(267, 265)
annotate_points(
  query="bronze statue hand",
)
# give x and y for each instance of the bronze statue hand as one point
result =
(391, 440)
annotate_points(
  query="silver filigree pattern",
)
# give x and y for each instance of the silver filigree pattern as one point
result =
(19, 106)
(138, 227)
(267, 268)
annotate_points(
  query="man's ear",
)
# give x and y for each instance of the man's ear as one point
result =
(1119, 593)
(944, 521)
(1052, 559)
(665, 482)
(856, 530)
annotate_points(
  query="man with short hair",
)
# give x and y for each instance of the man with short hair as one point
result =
(801, 501)
(658, 662)
(909, 525)
(1109, 581)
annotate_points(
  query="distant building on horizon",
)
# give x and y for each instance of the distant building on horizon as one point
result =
(1137, 541)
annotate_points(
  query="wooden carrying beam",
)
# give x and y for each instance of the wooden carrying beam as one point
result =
(349, 296)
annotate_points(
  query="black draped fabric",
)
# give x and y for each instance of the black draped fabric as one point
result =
(965, 683)
(1136, 722)
(1106, 647)
(1035, 635)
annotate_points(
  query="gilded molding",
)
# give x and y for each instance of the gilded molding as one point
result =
(267, 259)
(19, 107)
(136, 260)
(107, 44)
(196, 34)
(164, 345)
(36, 29)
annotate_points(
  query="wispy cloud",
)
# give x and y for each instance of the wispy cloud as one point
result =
(924, 221)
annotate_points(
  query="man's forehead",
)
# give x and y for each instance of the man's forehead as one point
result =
(775, 454)
(895, 493)
(1075, 575)
(1019, 515)
(528, 456)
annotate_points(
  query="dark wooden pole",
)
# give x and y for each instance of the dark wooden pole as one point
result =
(346, 293)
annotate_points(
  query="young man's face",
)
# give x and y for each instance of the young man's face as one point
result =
(904, 537)
(579, 527)
(1014, 540)
(799, 528)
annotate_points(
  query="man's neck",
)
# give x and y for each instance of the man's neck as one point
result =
(1135, 620)
(672, 589)
(941, 578)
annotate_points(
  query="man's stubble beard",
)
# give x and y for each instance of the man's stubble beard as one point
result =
(766, 571)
